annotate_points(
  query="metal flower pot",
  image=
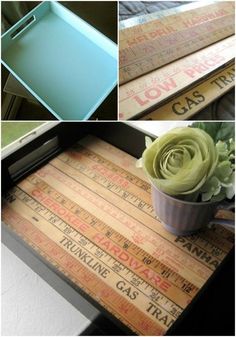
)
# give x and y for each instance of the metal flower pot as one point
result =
(183, 217)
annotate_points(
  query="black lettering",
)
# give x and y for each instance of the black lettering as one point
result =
(200, 97)
(178, 110)
(150, 307)
(197, 251)
(180, 239)
(206, 257)
(104, 273)
(80, 253)
(231, 75)
(127, 290)
(158, 314)
(224, 80)
(10, 198)
(74, 249)
(68, 244)
(89, 260)
(164, 319)
(214, 263)
(218, 84)
(98, 267)
(190, 102)
(188, 245)
(120, 285)
(133, 295)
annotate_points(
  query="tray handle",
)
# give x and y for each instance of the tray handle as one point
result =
(23, 26)
(30, 19)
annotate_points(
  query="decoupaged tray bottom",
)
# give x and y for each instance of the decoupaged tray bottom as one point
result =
(88, 213)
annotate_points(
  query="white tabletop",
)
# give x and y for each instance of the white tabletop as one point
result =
(30, 307)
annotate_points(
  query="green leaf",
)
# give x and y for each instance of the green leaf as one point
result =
(225, 132)
(211, 188)
(211, 128)
(224, 171)
(230, 190)
(217, 130)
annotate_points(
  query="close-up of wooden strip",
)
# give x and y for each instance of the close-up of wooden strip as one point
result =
(197, 98)
(88, 213)
(149, 90)
(144, 48)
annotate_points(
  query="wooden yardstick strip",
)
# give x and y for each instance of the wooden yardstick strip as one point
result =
(141, 19)
(149, 90)
(190, 102)
(91, 217)
(151, 45)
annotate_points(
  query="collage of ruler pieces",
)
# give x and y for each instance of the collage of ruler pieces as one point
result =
(88, 212)
(174, 64)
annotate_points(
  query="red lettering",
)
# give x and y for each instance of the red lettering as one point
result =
(153, 93)
(165, 285)
(98, 237)
(37, 193)
(115, 250)
(106, 244)
(134, 264)
(131, 42)
(167, 86)
(123, 256)
(140, 101)
(141, 38)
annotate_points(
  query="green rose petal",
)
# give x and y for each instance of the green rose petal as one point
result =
(180, 161)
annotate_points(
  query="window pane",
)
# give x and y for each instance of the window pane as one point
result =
(14, 130)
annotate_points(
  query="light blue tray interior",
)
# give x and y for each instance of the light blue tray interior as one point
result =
(64, 62)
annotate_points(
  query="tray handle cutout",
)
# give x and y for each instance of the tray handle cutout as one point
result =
(23, 27)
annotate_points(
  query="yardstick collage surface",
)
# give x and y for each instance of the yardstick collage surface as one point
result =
(167, 62)
(88, 213)
(149, 46)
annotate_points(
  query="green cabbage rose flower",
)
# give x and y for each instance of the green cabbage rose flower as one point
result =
(179, 162)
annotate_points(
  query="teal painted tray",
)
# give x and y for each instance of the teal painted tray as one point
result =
(63, 61)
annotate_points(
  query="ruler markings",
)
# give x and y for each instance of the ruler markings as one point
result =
(139, 303)
(103, 160)
(149, 90)
(89, 248)
(195, 84)
(113, 154)
(140, 19)
(127, 162)
(128, 247)
(199, 96)
(45, 243)
(125, 191)
(111, 186)
(95, 144)
(184, 19)
(181, 68)
(131, 228)
(162, 41)
(105, 176)
(201, 257)
(99, 145)
(122, 172)
(161, 246)
(105, 253)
